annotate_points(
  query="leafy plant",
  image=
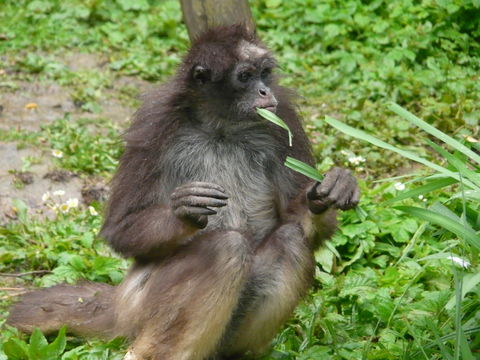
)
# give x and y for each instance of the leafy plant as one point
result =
(463, 169)
(37, 348)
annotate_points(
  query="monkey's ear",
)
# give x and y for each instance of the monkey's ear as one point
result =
(201, 75)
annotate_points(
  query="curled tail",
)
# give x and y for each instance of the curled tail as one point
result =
(86, 309)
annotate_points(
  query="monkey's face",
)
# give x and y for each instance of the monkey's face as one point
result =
(251, 83)
(247, 84)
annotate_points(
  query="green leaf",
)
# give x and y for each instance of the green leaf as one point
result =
(133, 4)
(468, 194)
(78, 263)
(57, 347)
(16, 349)
(441, 209)
(354, 230)
(465, 347)
(40, 6)
(457, 163)
(445, 352)
(359, 134)
(325, 258)
(470, 282)
(273, 3)
(424, 189)
(302, 168)
(268, 115)
(455, 227)
(37, 346)
(435, 132)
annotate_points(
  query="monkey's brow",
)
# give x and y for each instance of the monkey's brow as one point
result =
(246, 66)
(268, 62)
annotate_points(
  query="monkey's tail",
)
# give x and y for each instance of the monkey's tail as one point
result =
(86, 308)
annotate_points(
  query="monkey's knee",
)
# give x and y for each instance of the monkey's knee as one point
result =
(290, 232)
(234, 242)
(228, 245)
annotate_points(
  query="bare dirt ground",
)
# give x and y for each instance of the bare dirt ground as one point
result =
(51, 101)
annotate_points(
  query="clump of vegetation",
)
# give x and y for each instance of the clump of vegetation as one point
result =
(393, 283)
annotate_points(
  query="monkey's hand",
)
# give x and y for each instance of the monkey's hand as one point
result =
(192, 202)
(338, 189)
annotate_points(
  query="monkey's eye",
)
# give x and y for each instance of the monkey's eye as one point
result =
(244, 76)
(201, 75)
(265, 73)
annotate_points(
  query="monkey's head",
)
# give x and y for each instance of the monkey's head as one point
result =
(229, 73)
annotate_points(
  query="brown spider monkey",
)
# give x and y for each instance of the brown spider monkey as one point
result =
(220, 230)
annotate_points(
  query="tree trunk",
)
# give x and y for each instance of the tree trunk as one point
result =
(199, 15)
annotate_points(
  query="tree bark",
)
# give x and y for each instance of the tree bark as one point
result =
(199, 15)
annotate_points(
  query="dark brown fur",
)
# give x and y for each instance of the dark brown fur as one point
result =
(222, 282)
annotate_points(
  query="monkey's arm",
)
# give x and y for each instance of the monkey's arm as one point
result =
(147, 233)
(338, 190)
(320, 201)
(159, 229)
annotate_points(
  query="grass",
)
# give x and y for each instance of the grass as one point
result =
(386, 285)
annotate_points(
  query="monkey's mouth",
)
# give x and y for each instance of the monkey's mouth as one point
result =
(272, 108)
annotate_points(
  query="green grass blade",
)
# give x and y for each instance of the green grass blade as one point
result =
(359, 134)
(457, 163)
(397, 109)
(464, 347)
(470, 282)
(303, 168)
(445, 353)
(441, 209)
(458, 276)
(470, 331)
(268, 115)
(424, 189)
(444, 221)
(468, 194)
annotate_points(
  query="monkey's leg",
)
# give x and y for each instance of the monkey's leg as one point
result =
(281, 273)
(188, 300)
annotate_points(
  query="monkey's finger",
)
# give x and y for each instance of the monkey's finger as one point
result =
(199, 201)
(183, 211)
(312, 191)
(344, 202)
(355, 198)
(350, 201)
(318, 206)
(202, 184)
(198, 191)
(328, 182)
(343, 190)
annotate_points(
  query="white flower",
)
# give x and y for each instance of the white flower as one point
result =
(92, 211)
(59, 192)
(72, 203)
(63, 208)
(356, 160)
(57, 153)
(459, 261)
(399, 186)
(46, 196)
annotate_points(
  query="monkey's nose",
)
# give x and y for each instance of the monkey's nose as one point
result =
(263, 92)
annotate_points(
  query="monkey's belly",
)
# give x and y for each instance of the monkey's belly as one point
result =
(247, 172)
(253, 215)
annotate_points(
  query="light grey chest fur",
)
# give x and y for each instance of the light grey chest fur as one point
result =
(244, 164)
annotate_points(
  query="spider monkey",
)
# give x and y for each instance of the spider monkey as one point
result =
(221, 232)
